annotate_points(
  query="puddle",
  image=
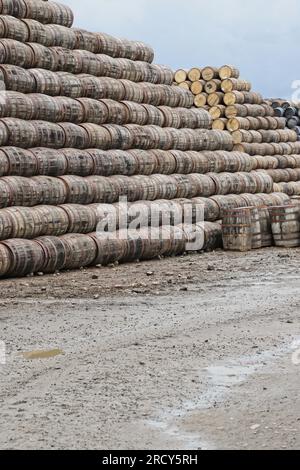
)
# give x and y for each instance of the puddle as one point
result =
(220, 382)
(226, 376)
(187, 440)
(42, 354)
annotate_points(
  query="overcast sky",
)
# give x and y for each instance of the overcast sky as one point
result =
(262, 38)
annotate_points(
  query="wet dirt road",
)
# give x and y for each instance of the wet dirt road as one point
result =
(200, 351)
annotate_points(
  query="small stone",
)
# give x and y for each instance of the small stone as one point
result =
(40, 274)
(96, 297)
(210, 268)
(254, 427)
(150, 273)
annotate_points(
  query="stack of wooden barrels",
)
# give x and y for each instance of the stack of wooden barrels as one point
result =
(87, 119)
(260, 128)
(288, 110)
(253, 227)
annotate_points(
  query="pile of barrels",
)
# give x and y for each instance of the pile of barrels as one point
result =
(253, 227)
(258, 126)
(88, 120)
(288, 110)
(267, 130)
(48, 254)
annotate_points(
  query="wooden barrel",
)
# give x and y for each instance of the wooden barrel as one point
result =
(212, 236)
(14, 28)
(50, 12)
(50, 162)
(120, 137)
(78, 190)
(74, 136)
(237, 229)
(264, 182)
(152, 244)
(265, 227)
(171, 118)
(52, 135)
(256, 229)
(285, 225)
(178, 97)
(110, 248)
(102, 188)
(185, 85)
(235, 124)
(26, 256)
(215, 98)
(43, 57)
(79, 162)
(81, 250)
(227, 183)
(17, 162)
(6, 226)
(166, 163)
(92, 111)
(86, 40)
(17, 78)
(44, 108)
(197, 87)
(42, 81)
(117, 112)
(5, 194)
(233, 84)
(82, 219)
(224, 203)
(220, 124)
(242, 97)
(54, 220)
(208, 73)
(212, 86)
(37, 32)
(155, 116)
(54, 253)
(4, 260)
(180, 76)
(194, 74)
(69, 110)
(144, 162)
(136, 113)
(132, 91)
(211, 208)
(110, 162)
(62, 36)
(200, 100)
(228, 71)
(20, 133)
(22, 191)
(26, 222)
(99, 137)
(52, 190)
(245, 110)
(62, 59)
(17, 53)
(217, 112)
(13, 8)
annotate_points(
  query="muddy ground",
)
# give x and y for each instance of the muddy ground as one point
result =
(195, 352)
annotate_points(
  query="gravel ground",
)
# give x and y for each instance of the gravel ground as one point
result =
(193, 352)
